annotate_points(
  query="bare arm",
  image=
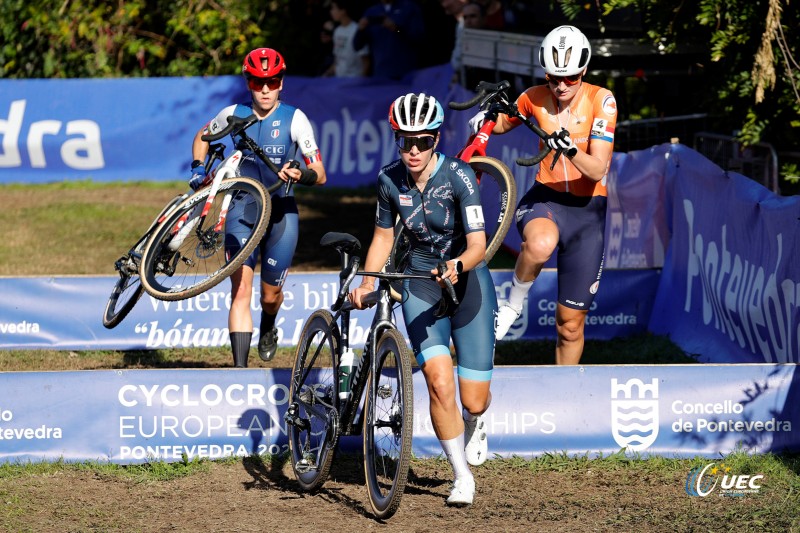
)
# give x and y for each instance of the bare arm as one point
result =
(199, 146)
(594, 162)
(378, 253)
(472, 256)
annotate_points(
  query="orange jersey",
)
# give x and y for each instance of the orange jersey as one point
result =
(592, 119)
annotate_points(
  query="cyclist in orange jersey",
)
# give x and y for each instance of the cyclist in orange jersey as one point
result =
(565, 210)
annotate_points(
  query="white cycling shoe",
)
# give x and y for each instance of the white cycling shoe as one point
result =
(506, 316)
(463, 492)
(477, 448)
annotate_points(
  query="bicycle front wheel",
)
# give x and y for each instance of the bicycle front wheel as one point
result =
(498, 198)
(388, 424)
(312, 416)
(189, 254)
(128, 288)
(124, 296)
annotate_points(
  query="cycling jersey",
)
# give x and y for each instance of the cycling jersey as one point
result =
(439, 218)
(592, 119)
(281, 135)
(452, 208)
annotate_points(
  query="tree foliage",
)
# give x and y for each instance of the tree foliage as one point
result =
(98, 38)
(750, 74)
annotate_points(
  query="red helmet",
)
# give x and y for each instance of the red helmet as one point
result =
(252, 67)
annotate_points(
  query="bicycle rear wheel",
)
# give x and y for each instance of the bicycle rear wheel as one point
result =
(188, 255)
(388, 424)
(312, 415)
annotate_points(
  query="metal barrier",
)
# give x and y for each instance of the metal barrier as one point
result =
(644, 133)
(758, 161)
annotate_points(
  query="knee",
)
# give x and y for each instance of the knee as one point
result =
(537, 250)
(475, 405)
(441, 389)
(271, 297)
(240, 292)
(570, 330)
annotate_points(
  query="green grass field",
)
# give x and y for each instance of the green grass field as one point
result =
(81, 228)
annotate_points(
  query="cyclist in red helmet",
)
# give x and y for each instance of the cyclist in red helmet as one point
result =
(285, 133)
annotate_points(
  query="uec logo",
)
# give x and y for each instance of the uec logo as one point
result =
(702, 481)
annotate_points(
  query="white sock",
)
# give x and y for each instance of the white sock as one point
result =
(519, 291)
(454, 450)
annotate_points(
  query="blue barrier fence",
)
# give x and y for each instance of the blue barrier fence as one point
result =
(138, 415)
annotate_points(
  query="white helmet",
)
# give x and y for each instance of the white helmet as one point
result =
(565, 51)
(416, 112)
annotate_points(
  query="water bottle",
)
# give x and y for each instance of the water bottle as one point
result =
(346, 367)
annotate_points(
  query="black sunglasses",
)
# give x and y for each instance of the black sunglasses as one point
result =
(422, 143)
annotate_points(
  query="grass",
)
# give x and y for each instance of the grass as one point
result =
(76, 228)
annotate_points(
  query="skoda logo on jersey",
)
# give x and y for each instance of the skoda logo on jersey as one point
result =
(274, 133)
(634, 413)
(453, 165)
(465, 179)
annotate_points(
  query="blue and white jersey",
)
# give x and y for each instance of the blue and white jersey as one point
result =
(440, 217)
(282, 134)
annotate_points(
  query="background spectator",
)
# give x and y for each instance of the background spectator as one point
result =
(454, 9)
(474, 15)
(325, 47)
(393, 30)
(348, 62)
(498, 16)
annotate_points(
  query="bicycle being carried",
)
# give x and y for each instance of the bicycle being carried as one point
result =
(325, 396)
(500, 190)
(183, 252)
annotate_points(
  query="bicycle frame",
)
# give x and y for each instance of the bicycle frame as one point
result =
(492, 99)
(350, 416)
(227, 169)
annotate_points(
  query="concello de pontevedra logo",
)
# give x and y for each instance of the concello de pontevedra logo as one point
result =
(634, 413)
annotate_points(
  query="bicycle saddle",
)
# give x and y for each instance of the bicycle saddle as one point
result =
(341, 241)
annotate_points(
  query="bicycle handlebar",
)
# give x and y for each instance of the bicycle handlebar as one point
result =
(492, 99)
(237, 126)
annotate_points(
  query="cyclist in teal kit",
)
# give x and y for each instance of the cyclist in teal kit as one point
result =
(281, 131)
(438, 201)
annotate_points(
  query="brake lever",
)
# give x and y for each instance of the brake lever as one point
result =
(292, 164)
(556, 155)
(451, 291)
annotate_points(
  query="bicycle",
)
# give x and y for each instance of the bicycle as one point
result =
(324, 399)
(500, 190)
(183, 252)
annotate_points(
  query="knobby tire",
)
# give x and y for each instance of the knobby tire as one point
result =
(201, 261)
(388, 424)
(314, 388)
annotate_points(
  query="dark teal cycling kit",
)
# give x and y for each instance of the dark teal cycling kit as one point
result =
(439, 219)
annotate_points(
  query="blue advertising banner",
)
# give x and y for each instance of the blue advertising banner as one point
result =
(135, 416)
(730, 289)
(55, 130)
(66, 313)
